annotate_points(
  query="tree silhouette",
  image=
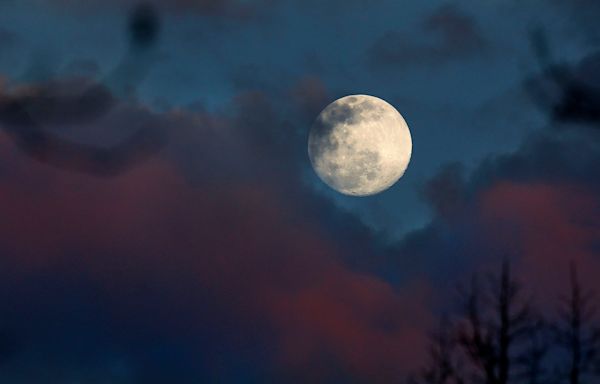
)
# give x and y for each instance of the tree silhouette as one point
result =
(532, 359)
(494, 339)
(495, 321)
(577, 332)
(443, 366)
(498, 337)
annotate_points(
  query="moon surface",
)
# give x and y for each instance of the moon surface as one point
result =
(360, 145)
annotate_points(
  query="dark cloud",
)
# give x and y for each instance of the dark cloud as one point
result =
(538, 205)
(68, 101)
(518, 207)
(569, 94)
(28, 115)
(455, 35)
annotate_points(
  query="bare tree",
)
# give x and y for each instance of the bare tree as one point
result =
(498, 338)
(495, 321)
(532, 360)
(443, 366)
(577, 331)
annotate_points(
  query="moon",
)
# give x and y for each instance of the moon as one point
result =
(360, 145)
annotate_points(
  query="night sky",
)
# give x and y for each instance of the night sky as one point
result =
(160, 221)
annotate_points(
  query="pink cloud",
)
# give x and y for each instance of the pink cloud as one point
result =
(548, 225)
(239, 243)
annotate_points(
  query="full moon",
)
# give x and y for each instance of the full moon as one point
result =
(360, 145)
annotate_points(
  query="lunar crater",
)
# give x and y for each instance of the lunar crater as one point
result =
(360, 145)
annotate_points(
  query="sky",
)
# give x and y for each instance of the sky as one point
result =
(160, 220)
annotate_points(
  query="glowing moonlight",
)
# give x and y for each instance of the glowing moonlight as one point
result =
(360, 145)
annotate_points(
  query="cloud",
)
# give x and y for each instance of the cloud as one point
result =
(28, 114)
(370, 333)
(31, 113)
(239, 244)
(569, 93)
(538, 206)
(210, 248)
(547, 225)
(453, 35)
